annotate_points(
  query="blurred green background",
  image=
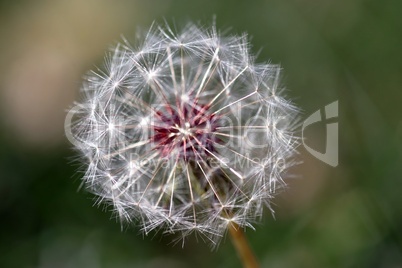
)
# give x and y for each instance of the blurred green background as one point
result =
(348, 216)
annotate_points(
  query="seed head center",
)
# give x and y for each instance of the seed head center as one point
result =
(186, 130)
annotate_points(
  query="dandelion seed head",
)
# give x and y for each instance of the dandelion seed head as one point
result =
(184, 132)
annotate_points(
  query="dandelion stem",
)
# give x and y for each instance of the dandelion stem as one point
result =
(242, 246)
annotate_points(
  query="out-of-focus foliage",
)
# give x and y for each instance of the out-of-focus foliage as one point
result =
(348, 216)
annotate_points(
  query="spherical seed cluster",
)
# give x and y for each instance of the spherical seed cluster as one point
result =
(184, 132)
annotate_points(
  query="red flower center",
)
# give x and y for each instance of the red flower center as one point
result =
(186, 130)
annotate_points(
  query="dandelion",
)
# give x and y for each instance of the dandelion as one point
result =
(183, 132)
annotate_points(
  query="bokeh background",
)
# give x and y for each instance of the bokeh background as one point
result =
(347, 216)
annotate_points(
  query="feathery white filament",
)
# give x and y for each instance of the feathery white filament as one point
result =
(185, 132)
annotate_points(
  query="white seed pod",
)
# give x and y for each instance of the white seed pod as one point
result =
(183, 132)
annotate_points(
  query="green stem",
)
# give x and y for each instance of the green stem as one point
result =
(242, 246)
